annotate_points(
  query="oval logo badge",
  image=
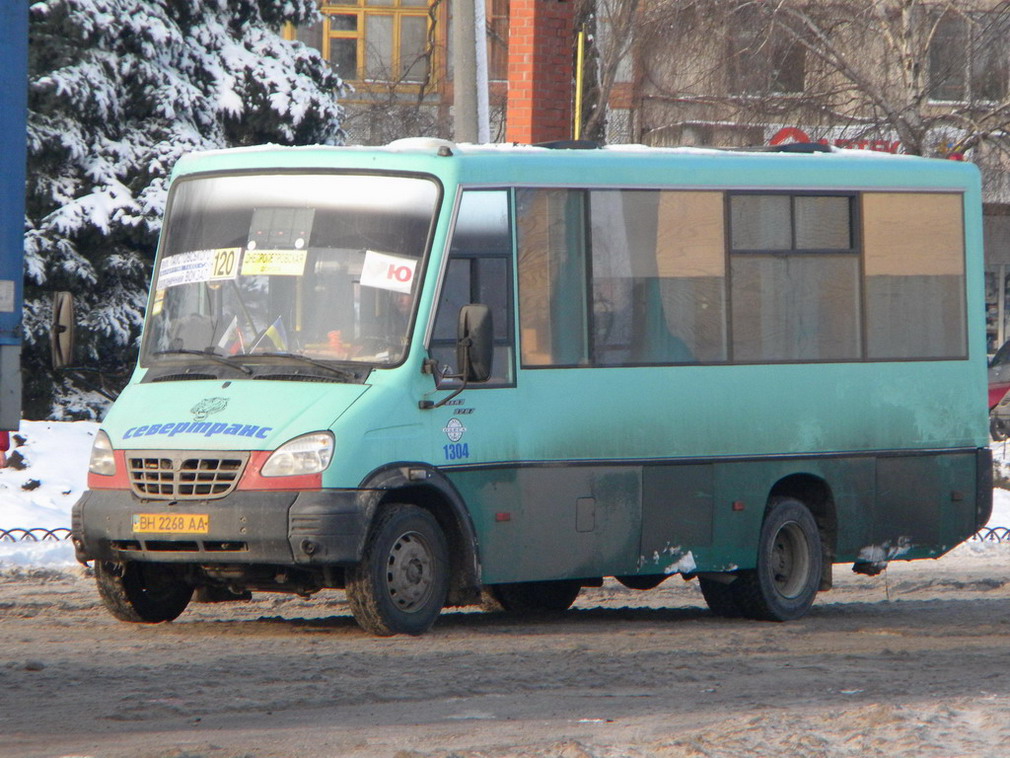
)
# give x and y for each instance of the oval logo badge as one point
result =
(454, 429)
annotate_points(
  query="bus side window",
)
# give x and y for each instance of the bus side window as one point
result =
(914, 260)
(551, 242)
(479, 271)
(658, 273)
(621, 277)
(795, 278)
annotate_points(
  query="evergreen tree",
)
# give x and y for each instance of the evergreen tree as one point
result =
(118, 90)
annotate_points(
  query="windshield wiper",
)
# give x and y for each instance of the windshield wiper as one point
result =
(344, 374)
(204, 354)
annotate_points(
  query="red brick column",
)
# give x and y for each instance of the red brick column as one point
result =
(540, 70)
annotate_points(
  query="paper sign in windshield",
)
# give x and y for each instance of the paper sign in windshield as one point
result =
(388, 272)
(159, 302)
(199, 266)
(274, 262)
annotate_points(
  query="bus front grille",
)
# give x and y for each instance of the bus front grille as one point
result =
(184, 476)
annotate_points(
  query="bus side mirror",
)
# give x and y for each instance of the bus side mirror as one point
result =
(475, 343)
(61, 330)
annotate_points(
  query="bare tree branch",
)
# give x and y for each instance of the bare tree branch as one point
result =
(871, 66)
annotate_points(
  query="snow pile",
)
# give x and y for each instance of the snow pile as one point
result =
(45, 476)
(47, 472)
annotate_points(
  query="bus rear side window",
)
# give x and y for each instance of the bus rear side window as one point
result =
(914, 310)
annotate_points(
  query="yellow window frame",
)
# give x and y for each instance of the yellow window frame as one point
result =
(364, 11)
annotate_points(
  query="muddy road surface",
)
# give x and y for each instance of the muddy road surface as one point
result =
(916, 661)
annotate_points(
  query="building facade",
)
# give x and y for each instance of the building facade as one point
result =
(396, 58)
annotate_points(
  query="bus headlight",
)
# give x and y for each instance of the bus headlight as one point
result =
(102, 460)
(308, 454)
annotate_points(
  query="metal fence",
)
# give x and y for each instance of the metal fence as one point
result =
(37, 534)
(993, 534)
(40, 534)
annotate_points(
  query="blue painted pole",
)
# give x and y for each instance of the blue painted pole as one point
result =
(13, 132)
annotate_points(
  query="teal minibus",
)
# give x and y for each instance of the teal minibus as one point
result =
(437, 375)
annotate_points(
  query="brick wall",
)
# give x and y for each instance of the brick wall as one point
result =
(540, 70)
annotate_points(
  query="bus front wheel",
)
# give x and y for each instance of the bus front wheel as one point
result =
(146, 593)
(783, 585)
(401, 582)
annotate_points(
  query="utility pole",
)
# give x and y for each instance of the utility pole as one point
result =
(464, 88)
(481, 78)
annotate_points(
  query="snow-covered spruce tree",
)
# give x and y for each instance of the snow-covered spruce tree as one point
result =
(118, 90)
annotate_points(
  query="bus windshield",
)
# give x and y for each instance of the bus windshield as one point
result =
(322, 267)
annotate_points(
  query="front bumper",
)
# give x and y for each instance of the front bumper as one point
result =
(322, 528)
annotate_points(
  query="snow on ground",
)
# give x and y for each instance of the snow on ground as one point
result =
(55, 456)
(40, 494)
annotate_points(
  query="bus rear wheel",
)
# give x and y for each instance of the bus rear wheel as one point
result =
(147, 593)
(720, 595)
(783, 585)
(537, 597)
(401, 582)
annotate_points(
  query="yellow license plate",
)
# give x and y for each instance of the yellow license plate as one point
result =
(171, 523)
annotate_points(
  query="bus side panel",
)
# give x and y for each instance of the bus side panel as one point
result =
(915, 505)
(677, 508)
(551, 522)
(925, 501)
(576, 521)
(743, 488)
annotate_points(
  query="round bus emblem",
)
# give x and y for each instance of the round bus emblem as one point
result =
(208, 406)
(454, 429)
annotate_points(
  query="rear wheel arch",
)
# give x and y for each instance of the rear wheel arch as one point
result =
(814, 493)
(785, 580)
(788, 572)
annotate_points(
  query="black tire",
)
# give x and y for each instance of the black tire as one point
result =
(537, 597)
(720, 596)
(642, 581)
(788, 573)
(997, 428)
(148, 593)
(401, 583)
